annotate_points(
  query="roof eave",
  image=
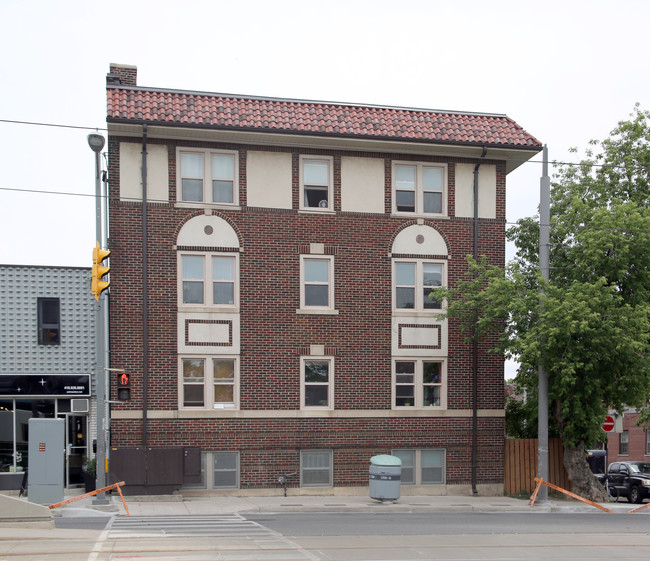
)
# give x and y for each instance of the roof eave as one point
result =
(514, 155)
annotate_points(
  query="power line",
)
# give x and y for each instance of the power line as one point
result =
(55, 125)
(235, 140)
(167, 201)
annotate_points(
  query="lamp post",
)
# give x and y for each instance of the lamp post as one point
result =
(96, 143)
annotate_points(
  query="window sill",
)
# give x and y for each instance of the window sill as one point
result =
(316, 312)
(316, 211)
(419, 215)
(204, 205)
(200, 308)
(418, 313)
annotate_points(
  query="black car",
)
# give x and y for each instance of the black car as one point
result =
(629, 479)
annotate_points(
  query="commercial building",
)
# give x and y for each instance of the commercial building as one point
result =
(47, 357)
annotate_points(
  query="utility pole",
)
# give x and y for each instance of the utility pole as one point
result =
(96, 143)
(542, 384)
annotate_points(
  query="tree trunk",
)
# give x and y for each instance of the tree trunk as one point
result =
(583, 482)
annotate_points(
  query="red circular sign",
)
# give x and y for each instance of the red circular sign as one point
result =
(608, 424)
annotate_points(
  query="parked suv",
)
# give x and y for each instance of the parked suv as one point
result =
(629, 479)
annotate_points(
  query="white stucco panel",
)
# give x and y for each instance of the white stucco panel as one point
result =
(208, 333)
(131, 172)
(418, 335)
(268, 179)
(419, 239)
(362, 184)
(487, 191)
(207, 231)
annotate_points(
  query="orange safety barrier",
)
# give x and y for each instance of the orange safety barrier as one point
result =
(96, 492)
(569, 493)
(539, 484)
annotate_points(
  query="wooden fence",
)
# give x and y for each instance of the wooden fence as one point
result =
(521, 465)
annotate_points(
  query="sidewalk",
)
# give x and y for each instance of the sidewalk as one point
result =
(179, 505)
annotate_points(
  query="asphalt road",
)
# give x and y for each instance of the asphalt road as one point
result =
(316, 536)
(363, 524)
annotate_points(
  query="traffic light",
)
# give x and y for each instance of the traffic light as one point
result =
(98, 285)
(123, 386)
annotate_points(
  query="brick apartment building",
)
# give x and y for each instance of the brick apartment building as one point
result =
(281, 323)
(630, 442)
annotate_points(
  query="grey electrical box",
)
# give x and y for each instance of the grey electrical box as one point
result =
(46, 461)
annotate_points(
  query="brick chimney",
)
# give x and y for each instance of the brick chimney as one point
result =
(122, 74)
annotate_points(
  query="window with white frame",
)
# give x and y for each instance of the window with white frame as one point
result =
(208, 176)
(624, 444)
(647, 443)
(209, 279)
(422, 467)
(209, 382)
(414, 283)
(317, 388)
(315, 468)
(316, 183)
(219, 470)
(317, 282)
(419, 384)
(419, 188)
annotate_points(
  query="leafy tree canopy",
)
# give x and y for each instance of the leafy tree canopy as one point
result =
(589, 325)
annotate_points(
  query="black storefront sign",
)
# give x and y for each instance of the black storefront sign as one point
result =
(51, 385)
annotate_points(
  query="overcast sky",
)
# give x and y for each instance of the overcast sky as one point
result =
(567, 71)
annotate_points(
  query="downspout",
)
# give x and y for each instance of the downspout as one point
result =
(475, 337)
(145, 297)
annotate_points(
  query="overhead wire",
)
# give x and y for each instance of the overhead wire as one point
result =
(189, 136)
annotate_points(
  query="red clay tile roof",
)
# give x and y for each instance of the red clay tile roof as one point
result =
(317, 118)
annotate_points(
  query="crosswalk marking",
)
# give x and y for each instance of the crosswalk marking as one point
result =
(213, 525)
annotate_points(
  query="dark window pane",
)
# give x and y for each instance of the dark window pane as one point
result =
(224, 393)
(405, 367)
(316, 196)
(431, 373)
(431, 475)
(48, 321)
(407, 476)
(224, 293)
(405, 297)
(192, 292)
(316, 295)
(433, 202)
(193, 396)
(222, 191)
(429, 301)
(316, 396)
(431, 396)
(193, 190)
(405, 201)
(225, 460)
(316, 371)
(225, 479)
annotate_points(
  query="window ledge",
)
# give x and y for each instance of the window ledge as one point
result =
(419, 215)
(204, 205)
(316, 211)
(316, 312)
(200, 308)
(419, 313)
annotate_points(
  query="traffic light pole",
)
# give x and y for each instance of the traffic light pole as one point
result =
(100, 374)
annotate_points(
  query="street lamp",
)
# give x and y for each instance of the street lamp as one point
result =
(96, 143)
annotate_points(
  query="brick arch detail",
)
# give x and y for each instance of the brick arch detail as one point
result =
(411, 223)
(198, 214)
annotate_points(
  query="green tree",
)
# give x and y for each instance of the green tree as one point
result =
(589, 325)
